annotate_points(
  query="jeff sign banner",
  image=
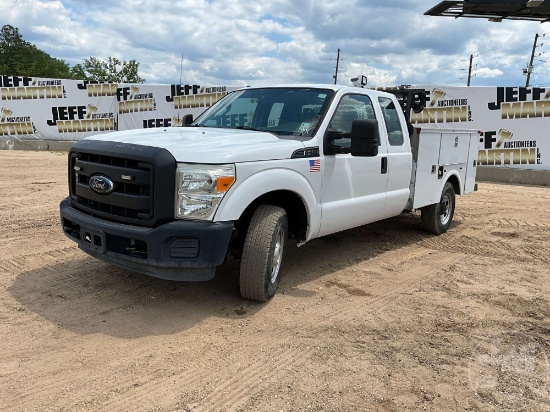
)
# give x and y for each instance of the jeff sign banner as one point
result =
(159, 106)
(59, 109)
(54, 109)
(513, 120)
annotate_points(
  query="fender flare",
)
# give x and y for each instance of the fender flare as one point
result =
(239, 197)
(446, 178)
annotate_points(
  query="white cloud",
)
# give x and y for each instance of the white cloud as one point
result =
(279, 41)
(487, 73)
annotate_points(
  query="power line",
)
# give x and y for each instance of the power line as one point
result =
(481, 54)
(510, 44)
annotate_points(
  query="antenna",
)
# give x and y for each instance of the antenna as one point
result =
(181, 67)
(181, 75)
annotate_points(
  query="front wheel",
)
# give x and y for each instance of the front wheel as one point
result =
(263, 253)
(437, 218)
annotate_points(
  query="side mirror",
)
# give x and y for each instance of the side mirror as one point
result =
(187, 119)
(364, 138)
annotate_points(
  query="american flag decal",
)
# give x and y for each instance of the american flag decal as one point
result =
(315, 165)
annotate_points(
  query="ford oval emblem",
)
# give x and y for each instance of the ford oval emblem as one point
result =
(101, 184)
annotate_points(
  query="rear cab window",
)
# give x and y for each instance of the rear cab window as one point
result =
(391, 120)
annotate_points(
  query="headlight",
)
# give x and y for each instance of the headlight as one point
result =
(200, 188)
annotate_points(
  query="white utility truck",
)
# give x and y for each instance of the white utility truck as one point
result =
(261, 165)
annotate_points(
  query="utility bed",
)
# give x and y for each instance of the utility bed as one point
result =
(437, 152)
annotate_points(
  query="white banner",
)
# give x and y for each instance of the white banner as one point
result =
(143, 106)
(55, 109)
(514, 121)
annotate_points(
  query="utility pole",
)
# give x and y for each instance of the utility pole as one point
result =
(337, 62)
(530, 67)
(470, 69)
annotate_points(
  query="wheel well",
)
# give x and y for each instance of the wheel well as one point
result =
(290, 201)
(456, 184)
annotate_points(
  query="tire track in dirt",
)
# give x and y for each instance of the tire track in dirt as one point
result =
(509, 245)
(482, 247)
(395, 280)
(133, 392)
(395, 240)
(11, 266)
(42, 259)
(502, 223)
(137, 387)
(230, 391)
(538, 254)
(235, 391)
(55, 283)
(57, 386)
(8, 230)
(391, 290)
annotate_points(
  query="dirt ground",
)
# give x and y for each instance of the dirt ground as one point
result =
(380, 318)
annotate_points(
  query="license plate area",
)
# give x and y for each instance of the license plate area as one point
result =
(92, 239)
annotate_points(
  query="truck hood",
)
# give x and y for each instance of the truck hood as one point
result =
(209, 145)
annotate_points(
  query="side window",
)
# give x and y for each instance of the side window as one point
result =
(393, 125)
(350, 108)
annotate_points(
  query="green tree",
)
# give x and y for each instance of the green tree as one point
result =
(21, 58)
(112, 71)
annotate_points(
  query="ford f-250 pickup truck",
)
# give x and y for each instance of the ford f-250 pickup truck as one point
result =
(261, 165)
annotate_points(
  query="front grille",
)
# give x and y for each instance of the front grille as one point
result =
(143, 183)
(131, 196)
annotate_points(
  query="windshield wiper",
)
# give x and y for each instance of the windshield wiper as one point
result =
(249, 128)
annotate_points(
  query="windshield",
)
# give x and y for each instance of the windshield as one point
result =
(281, 111)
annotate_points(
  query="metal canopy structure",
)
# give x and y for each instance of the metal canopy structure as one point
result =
(494, 10)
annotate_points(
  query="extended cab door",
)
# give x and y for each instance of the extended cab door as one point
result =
(399, 155)
(353, 191)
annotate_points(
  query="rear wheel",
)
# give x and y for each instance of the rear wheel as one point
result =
(437, 218)
(263, 253)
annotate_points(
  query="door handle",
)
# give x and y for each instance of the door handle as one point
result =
(384, 168)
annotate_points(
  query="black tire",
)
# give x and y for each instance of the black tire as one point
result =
(438, 217)
(263, 253)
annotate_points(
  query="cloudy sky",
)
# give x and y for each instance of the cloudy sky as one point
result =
(238, 42)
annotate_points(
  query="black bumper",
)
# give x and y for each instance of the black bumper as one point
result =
(179, 250)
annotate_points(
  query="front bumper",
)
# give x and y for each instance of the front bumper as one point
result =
(178, 250)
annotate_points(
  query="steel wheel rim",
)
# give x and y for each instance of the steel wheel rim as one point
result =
(277, 255)
(445, 206)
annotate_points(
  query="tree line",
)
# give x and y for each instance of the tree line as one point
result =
(21, 58)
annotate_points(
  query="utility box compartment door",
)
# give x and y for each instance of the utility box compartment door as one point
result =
(454, 148)
(428, 145)
(471, 167)
(440, 152)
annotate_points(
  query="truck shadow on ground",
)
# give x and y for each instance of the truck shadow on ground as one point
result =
(86, 296)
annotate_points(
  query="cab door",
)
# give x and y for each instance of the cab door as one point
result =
(399, 156)
(353, 191)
